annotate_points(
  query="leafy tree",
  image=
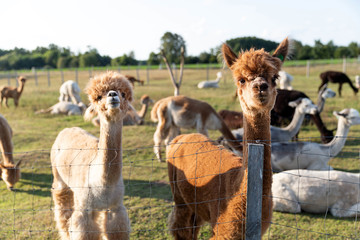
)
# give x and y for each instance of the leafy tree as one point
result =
(354, 49)
(154, 59)
(342, 52)
(171, 44)
(245, 43)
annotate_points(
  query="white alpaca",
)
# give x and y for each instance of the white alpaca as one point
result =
(211, 84)
(66, 108)
(88, 187)
(284, 80)
(357, 81)
(317, 191)
(70, 92)
(311, 155)
(302, 106)
(324, 93)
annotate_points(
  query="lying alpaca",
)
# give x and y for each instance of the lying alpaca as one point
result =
(311, 155)
(232, 119)
(66, 108)
(285, 80)
(9, 172)
(133, 80)
(175, 112)
(211, 84)
(209, 183)
(324, 94)
(132, 117)
(88, 184)
(316, 192)
(283, 111)
(70, 92)
(302, 106)
(336, 77)
(12, 92)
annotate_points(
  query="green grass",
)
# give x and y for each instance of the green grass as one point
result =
(27, 213)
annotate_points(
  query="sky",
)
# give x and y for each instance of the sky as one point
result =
(117, 27)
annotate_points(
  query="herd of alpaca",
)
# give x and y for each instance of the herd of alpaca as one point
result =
(208, 181)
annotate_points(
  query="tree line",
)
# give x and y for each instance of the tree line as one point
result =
(55, 56)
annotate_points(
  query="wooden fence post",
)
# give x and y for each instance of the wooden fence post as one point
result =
(48, 78)
(35, 77)
(307, 68)
(147, 74)
(76, 76)
(62, 75)
(9, 78)
(254, 193)
(344, 65)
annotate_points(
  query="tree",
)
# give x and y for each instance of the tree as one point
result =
(171, 44)
(154, 59)
(354, 49)
(245, 43)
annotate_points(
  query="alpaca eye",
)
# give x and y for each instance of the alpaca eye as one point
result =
(98, 98)
(242, 81)
(123, 95)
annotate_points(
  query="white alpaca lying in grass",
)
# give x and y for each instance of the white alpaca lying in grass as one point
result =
(70, 92)
(212, 83)
(66, 108)
(317, 191)
(311, 155)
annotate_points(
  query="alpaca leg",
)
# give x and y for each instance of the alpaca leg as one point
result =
(322, 84)
(162, 131)
(339, 90)
(117, 224)
(6, 102)
(82, 224)
(173, 132)
(182, 224)
(16, 101)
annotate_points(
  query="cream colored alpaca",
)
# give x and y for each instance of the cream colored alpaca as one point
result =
(88, 187)
(13, 92)
(67, 108)
(175, 112)
(70, 92)
(208, 182)
(9, 172)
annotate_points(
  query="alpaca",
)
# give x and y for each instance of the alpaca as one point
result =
(317, 192)
(336, 77)
(324, 93)
(13, 92)
(133, 80)
(282, 111)
(232, 119)
(209, 183)
(285, 80)
(302, 106)
(175, 112)
(70, 92)
(88, 184)
(311, 155)
(66, 108)
(357, 81)
(211, 84)
(132, 117)
(9, 171)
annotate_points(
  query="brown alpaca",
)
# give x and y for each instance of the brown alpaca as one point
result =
(336, 77)
(13, 92)
(133, 80)
(88, 187)
(9, 172)
(175, 112)
(232, 119)
(209, 183)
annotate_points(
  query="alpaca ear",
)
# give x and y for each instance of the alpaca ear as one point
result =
(228, 54)
(339, 114)
(295, 103)
(90, 113)
(282, 50)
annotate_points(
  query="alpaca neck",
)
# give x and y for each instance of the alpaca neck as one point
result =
(143, 111)
(295, 123)
(338, 142)
(6, 147)
(217, 80)
(20, 88)
(110, 150)
(320, 103)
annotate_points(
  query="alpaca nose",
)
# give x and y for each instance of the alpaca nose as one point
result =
(112, 94)
(261, 86)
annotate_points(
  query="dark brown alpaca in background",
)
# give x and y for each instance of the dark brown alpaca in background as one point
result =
(133, 80)
(336, 77)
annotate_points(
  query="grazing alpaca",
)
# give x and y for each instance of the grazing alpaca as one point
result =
(66, 108)
(316, 192)
(285, 80)
(324, 93)
(211, 84)
(209, 183)
(232, 119)
(336, 77)
(132, 117)
(9, 172)
(133, 80)
(282, 111)
(175, 112)
(311, 155)
(302, 107)
(88, 184)
(13, 92)
(70, 92)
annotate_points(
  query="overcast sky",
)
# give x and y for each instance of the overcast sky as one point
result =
(118, 27)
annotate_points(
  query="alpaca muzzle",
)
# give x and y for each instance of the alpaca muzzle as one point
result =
(113, 100)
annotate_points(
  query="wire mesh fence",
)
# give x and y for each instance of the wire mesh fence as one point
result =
(326, 202)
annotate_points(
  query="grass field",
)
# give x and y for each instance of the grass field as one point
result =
(27, 212)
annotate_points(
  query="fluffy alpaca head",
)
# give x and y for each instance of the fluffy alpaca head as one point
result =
(145, 99)
(255, 72)
(22, 79)
(304, 105)
(10, 173)
(352, 116)
(110, 95)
